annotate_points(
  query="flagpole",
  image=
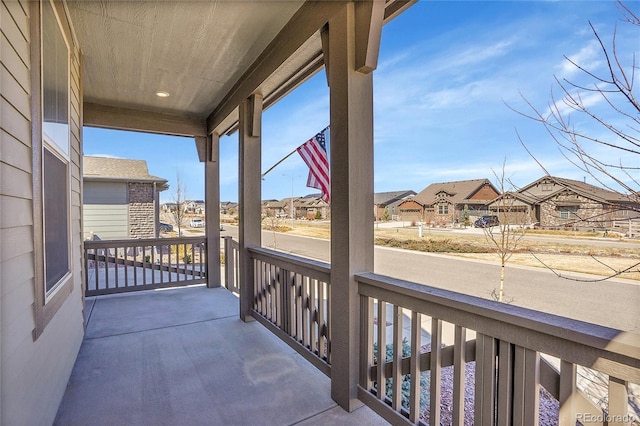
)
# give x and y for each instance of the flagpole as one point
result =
(286, 156)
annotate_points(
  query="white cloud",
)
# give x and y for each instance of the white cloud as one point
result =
(588, 58)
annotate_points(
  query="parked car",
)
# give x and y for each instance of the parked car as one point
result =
(165, 227)
(487, 222)
(197, 223)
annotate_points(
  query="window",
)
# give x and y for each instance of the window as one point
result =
(443, 209)
(55, 150)
(569, 212)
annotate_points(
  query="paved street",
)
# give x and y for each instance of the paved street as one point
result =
(614, 303)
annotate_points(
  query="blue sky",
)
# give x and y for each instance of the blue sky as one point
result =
(446, 71)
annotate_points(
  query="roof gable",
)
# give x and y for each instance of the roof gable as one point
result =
(118, 169)
(459, 191)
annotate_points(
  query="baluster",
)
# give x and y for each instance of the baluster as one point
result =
(396, 395)
(366, 341)
(618, 401)
(459, 367)
(416, 341)
(568, 394)
(485, 380)
(313, 322)
(505, 383)
(382, 349)
(436, 371)
(526, 386)
(322, 324)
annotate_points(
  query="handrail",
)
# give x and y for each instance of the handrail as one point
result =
(300, 265)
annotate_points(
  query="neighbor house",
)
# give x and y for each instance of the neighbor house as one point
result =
(194, 206)
(445, 203)
(385, 204)
(554, 202)
(120, 199)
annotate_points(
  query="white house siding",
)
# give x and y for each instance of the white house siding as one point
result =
(34, 374)
(105, 211)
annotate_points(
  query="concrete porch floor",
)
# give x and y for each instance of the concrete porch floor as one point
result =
(183, 357)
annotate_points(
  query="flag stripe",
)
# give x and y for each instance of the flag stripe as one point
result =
(314, 154)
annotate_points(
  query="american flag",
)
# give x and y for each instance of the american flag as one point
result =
(314, 153)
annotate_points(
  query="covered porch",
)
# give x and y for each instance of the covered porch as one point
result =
(216, 358)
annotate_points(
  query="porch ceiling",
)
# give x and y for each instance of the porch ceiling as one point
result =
(206, 54)
(194, 50)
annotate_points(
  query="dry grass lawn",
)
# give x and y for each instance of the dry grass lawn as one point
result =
(572, 255)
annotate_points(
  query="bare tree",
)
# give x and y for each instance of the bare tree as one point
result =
(505, 237)
(617, 131)
(179, 201)
(617, 128)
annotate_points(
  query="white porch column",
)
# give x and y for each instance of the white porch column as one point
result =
(351, 143)
(249, 186)
(212, 208)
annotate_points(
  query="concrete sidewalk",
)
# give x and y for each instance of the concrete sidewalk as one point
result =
(182, 357)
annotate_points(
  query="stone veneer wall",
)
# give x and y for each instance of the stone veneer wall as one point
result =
(142, 217)
(590, 214)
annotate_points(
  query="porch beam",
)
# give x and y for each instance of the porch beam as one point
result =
(249, 184)
(351, 115)
(212, 206)
(305, 22)
(369, 19)
(110, 117)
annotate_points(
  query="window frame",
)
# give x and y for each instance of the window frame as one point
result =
(48, 303)
(62, 153)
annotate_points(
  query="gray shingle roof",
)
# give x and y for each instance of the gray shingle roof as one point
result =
(385, 198)
(118, 169)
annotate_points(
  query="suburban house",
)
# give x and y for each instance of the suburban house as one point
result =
(446, 203)
(120, 199)
(385, 204)
(313, 207)
(228, 207)
(194, 206)
(275, 208)
(554, 202)
(202, 70)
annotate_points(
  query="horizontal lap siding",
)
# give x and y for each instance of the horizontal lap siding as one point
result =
(34, 374)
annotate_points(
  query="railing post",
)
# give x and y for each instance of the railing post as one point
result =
(228, 263)
(249, 201)
(212, 209)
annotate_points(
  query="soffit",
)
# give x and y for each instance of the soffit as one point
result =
(195, 50)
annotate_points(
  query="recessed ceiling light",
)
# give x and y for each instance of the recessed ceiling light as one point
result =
(162, 94)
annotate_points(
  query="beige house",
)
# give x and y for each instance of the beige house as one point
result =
(120, 199)
(202, 70)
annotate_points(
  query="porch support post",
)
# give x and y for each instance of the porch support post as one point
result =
(249, 182)
(351, 145)
(212, 208)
